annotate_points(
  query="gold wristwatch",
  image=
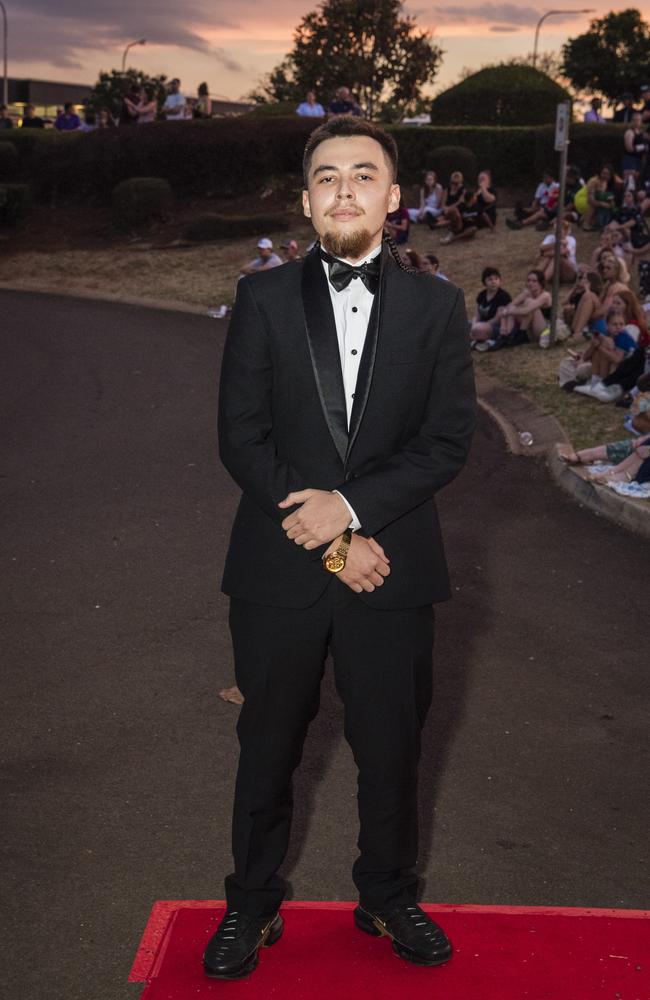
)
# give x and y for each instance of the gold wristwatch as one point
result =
(335, 561)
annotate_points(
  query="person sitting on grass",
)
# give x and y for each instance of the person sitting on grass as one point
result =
(611, 241)
(587, 283)
(431, 200)
(486, 200)
(526, 318)
(452, 194)
(594, 301)
(462, 218)
(601, 198)
(427, 263)
(568, 262)
(573, 184)
(582, 372)
(627, 458)
(630, 226)
(621, 381)
(265, 260)
(398, 224)
(543, 207)
(490, 303)
(431, 265)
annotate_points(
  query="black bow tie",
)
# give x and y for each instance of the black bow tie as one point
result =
(341, 274)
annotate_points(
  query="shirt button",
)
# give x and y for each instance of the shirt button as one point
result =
(353, 352)
(354, 309)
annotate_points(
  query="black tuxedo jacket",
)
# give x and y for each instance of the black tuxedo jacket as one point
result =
(283, 427)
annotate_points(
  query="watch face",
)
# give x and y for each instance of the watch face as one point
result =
(334, 562)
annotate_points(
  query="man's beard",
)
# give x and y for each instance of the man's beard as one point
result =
(349, 246)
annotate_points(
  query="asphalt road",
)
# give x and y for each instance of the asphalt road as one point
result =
(117, 757)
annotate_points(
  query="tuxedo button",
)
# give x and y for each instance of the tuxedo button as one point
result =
(354, 352)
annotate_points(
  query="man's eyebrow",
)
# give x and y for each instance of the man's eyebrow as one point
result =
(328, 168)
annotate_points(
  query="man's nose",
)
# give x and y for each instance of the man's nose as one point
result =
(344, 190)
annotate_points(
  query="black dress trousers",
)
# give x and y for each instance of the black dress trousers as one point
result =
(383, 674)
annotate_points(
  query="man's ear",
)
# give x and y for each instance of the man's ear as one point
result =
(394, 197)
(305, 204)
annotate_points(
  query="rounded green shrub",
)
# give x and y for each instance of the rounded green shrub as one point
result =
(140, 199)
(9, 161)
(500, 95)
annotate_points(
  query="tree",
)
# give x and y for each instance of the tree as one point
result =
(611, 57)
(370, 46)
(111, 88)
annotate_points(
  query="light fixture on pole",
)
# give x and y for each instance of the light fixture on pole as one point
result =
(552, 13)
(140, 41)
(5, 83)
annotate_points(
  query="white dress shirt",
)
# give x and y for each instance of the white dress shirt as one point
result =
(352, 307)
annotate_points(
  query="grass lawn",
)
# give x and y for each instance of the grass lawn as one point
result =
(205, 275)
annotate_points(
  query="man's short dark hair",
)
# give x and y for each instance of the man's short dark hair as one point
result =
(488, 272)
(344, 127)
(68, 106)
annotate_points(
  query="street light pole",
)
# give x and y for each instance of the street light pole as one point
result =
(551, 13)
(140, 41)
(5, 84)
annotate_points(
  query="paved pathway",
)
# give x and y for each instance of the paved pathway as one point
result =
(117, 757)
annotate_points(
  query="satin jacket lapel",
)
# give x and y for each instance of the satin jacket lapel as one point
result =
(324, 349)
(367, 365)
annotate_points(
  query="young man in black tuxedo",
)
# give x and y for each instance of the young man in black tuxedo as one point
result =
(346, 403)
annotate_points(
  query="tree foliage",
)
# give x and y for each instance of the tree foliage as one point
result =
(111, 88)
(370, 46)
(612, 57)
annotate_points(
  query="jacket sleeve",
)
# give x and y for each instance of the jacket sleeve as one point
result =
(246, 445)
(437, 453)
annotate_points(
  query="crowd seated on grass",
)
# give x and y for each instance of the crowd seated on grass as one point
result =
(475, 209)
(523, 320)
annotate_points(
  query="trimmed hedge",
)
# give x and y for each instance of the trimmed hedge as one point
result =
(219, 227)
(231, 157)
(9, 161)
(500, 95)
(140, 199)
(14, 202)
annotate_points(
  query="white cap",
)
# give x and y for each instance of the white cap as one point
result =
(265, 243)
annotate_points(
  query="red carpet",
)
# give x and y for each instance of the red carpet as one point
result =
(501, 953)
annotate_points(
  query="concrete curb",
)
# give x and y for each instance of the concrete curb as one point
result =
(514, 414)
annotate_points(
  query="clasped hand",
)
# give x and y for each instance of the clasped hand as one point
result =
(366, 566)
(321, 517)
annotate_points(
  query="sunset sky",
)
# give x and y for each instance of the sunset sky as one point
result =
(230, 45)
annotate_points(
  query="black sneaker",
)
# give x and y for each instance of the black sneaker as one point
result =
(232, 952)
(414, 934)
(514, 224)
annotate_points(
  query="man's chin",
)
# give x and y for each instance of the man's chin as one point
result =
(351, 245)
